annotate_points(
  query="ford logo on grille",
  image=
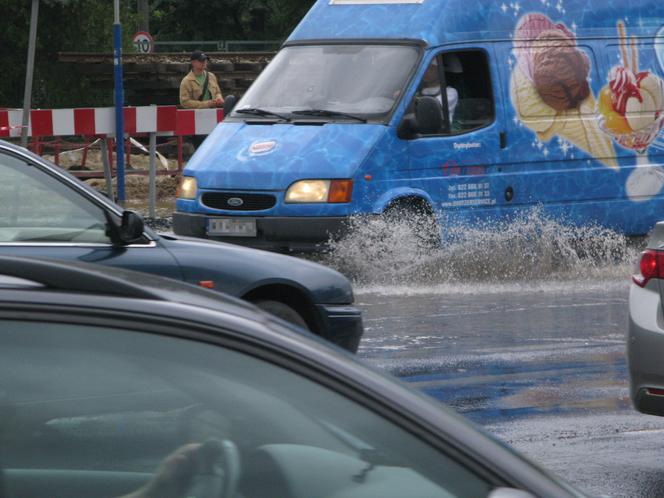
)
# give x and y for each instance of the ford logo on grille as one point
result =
(235, 201)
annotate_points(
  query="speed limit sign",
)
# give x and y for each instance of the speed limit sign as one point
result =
(143, 42)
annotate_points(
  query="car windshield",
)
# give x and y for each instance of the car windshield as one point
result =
(362, 81)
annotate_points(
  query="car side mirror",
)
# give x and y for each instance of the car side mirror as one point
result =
(128, 230)
(510, 493)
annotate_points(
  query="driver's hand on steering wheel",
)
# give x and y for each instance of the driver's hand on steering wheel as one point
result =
(174, 476)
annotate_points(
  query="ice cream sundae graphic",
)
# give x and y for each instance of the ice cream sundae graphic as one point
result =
(550, 90)
(630, 111)
(630, 106)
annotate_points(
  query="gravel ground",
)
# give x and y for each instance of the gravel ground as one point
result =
(164, 224)
(136, 189)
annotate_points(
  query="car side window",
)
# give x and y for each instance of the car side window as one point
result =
(463, 79)
(36, 207)
(88, 411)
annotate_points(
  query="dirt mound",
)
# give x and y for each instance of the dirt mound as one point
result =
(137, 187)
(76, 160)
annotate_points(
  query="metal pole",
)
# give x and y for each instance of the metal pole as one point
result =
(152, 187)
(108, 176)
(27, 96)
(119, 101)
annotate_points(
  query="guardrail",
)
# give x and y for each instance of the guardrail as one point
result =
(99, 122)
(217, 45)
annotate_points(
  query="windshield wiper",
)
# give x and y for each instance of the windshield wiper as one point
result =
(327, 113)
(260, 112)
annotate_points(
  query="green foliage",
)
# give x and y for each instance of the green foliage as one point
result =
(227, 19)
(87, 26)
(63, 26)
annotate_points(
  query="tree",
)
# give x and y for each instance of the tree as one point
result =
(86, 26)
(227, 19)
(64, 25)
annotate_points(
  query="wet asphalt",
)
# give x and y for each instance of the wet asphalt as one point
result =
(541, 366)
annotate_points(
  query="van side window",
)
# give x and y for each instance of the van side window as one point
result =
(466, 81)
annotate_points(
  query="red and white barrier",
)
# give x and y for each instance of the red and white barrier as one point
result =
(163, 120)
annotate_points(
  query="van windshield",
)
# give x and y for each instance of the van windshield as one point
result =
(331, 82)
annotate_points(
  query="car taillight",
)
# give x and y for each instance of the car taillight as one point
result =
(651, 266)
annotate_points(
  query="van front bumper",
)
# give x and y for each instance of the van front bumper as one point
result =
(273, 233)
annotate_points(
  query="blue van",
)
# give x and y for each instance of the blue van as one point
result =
(463, 110)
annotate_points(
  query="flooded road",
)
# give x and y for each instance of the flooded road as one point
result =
(540, 366)
(522, 329)
(505, 354)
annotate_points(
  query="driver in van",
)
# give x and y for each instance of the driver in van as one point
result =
(430, 87)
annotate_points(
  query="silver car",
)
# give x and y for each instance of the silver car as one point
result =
(645, 343)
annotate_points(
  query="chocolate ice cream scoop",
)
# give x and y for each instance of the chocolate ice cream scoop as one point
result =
(560, 70)
(529, 28)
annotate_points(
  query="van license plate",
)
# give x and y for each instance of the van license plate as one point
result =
(232, 227)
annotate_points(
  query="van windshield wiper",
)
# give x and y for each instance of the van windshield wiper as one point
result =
(260, 112)
(327, 113)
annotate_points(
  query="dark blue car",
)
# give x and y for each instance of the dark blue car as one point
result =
(46, 212)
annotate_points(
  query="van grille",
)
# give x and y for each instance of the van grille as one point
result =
(250, 202)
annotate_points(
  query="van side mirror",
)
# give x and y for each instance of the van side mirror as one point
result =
(229, 104)
(128, 230)
(428, 115)
(406, 128)
(425, 117)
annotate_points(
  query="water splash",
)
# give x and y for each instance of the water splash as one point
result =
(532, 247)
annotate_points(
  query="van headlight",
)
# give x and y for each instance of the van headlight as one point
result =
(333, 191)
(187, 188)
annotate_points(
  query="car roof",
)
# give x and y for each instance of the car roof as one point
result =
(43, 282)
(94, 283)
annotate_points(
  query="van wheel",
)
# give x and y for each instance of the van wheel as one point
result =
(282, 311)
(425, 227)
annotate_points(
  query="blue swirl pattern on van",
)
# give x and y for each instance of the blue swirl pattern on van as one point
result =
(300, 152)
(443, 21)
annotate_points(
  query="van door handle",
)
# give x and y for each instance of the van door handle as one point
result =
(503, 139)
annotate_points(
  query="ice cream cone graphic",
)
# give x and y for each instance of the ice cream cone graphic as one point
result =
(550, 91)
(530, 108)
(579, 127)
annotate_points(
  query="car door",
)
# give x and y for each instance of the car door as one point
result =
(455, 162)
(46, 214)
